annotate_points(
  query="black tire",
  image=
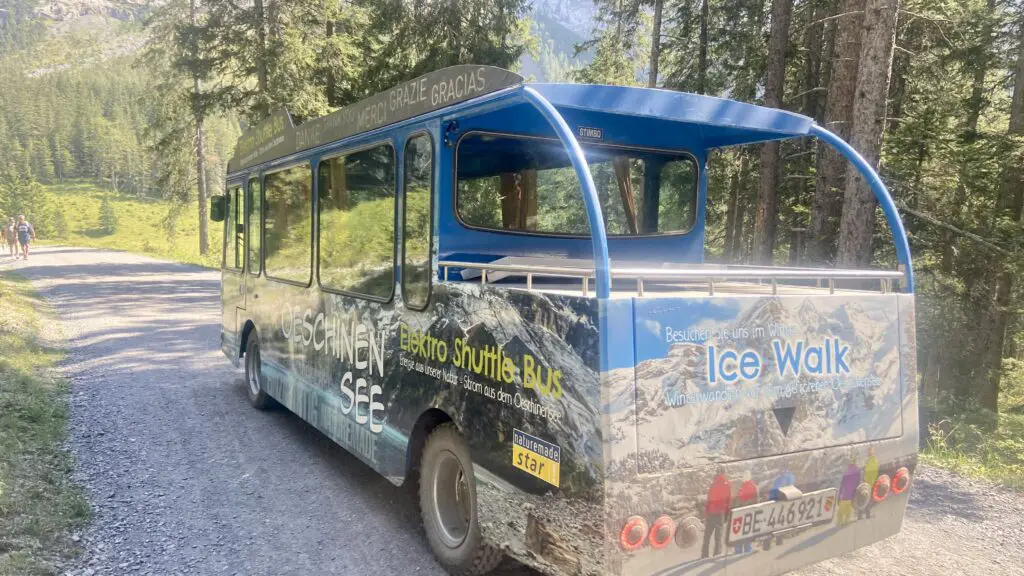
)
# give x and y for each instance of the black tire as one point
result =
(254, 374)
(448, 505)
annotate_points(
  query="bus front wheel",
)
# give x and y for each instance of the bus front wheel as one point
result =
(448, 504)
(254, 374)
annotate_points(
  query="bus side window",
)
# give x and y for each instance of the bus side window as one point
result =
(357, 222)
(255, 226)
(288, 195)
(419, 179)
(234, 240)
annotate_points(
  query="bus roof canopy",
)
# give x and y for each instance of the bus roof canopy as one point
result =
(719, 122)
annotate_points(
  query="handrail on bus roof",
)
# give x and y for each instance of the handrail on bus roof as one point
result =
(599, 238)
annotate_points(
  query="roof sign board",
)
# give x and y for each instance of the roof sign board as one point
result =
(276, 136)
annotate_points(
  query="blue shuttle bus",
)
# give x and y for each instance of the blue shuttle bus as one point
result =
(498, 288)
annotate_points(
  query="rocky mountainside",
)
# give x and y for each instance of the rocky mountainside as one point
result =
(65, 10)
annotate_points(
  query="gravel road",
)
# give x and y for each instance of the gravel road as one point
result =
(185, 478)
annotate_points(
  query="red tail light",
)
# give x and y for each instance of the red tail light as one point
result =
(882, 487)
(633, 533)
(901, 481)
(662, 532)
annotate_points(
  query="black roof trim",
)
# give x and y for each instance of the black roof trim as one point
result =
(277, 136)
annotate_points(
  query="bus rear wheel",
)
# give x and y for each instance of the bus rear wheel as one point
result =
(254, 374)
(448, 505)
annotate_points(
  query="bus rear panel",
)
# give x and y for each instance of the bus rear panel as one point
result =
(757, 434)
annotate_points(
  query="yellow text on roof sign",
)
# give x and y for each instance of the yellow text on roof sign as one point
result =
(537, 457)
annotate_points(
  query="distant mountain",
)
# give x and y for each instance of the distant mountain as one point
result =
(559, 26)
(65, 10)
(576, 15)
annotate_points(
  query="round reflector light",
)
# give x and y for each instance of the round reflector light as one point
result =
(862, 497)
(662, 531)
(633, 533)
(882, 486)
(688, 532)
(901, 481)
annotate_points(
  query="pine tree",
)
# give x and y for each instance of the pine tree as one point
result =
(108, 216)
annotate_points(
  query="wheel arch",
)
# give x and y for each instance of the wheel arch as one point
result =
(248, 329)
(425, 424)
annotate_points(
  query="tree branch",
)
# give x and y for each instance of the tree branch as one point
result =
(834, 17)
(969, 235)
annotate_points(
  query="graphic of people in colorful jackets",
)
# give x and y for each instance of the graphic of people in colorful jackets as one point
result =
(716, 511)
(870, 476)
(847, 492)
(785, 478)
(746, 496)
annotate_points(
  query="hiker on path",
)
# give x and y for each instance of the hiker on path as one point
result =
(11, 236)
(25, 230)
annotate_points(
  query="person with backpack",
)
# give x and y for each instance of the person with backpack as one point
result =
(11, 236)
(25, 229)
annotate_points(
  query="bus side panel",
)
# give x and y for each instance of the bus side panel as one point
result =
(230, 326)
(518, 373)
(331, 360)
(908, 354)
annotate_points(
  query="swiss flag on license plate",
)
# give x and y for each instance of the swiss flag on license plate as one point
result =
(737, 524)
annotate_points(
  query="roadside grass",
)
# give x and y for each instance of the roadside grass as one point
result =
(39, 504)
(144, 226)
(978, 443)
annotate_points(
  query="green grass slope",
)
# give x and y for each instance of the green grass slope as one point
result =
(152, 227)
(39, 504)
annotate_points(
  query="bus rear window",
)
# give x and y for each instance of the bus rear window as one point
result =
(527, 185)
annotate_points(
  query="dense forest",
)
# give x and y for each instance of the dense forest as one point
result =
(930, 91)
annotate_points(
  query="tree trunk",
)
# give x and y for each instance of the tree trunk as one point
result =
(197, 110)
(812, 62)
(974, 107)
(652, 76)
(1009, 206)
(857, 224)
(331, 88)
(739, 250)
(702, 51)
(261, 47)
(813, 47)
(730, 214)
(828, 54)
(831, 166)
(766, 217)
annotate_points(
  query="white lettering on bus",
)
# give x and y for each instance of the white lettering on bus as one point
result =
(345, 338)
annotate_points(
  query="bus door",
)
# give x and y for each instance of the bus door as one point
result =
(253, 237)
(418, 158)
(233, 274)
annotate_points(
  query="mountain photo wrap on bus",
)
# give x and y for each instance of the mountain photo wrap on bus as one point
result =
(712, 380)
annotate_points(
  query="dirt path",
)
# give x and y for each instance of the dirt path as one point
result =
(185, 478)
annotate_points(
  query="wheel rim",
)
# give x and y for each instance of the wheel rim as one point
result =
(452, 506)
(254, 370)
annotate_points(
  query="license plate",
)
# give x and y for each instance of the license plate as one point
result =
(767, 518)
